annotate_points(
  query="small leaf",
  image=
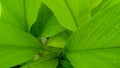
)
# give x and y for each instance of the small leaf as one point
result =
(58, 40)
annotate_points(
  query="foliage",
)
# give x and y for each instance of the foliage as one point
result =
(59, 33)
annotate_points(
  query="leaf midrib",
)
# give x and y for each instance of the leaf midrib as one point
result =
(17, 47)
(94, 49)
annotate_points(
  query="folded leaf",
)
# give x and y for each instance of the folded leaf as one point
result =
(96, 44)
(62, 13)
(16, 46)
(20, 14)
(46, 24)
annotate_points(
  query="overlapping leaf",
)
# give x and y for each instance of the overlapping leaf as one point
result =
(16, 46)
(62, 13)
(46, 24)
(96, 44)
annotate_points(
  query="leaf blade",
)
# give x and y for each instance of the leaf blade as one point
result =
(15, 44)
(98, 45)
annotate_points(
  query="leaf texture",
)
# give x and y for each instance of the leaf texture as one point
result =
(96, 44)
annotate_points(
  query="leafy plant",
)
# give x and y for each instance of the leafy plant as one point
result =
(59, 33)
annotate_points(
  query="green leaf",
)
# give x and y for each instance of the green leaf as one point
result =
(46, 24)
(58, 40)
(47, 61)
(16, 46)
(19, 14)
(96, 44)
(62, 13)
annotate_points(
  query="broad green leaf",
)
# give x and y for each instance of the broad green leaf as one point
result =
(46, 24)
(58, 40)
(20, 14)
(47, 61)
(96, 44)
(16, 46)
(80, 10)
(62, 13)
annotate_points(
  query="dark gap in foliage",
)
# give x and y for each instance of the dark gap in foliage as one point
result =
(43, 16)
(63, 62)
(17, 66)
